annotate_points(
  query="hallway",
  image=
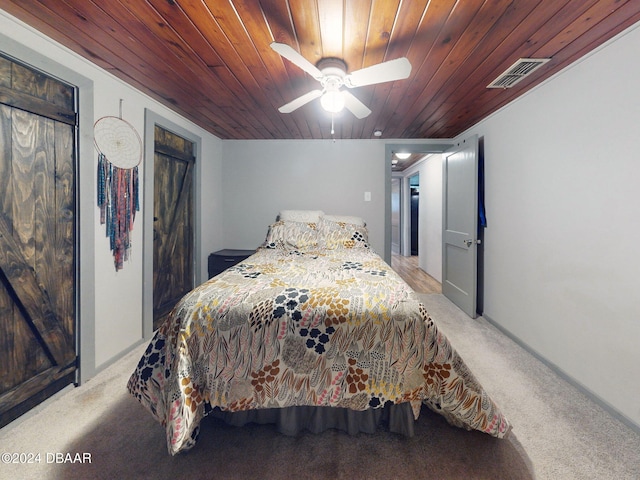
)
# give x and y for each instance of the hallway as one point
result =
(418, 279)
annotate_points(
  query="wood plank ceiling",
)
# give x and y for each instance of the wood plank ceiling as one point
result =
(210, 60)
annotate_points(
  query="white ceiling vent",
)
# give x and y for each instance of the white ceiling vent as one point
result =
(517, 71)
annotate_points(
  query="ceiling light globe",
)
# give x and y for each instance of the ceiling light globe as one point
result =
(403, 155)
(332, 101)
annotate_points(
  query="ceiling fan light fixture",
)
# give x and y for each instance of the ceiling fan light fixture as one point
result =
(332, 101)
(332, 75)
(402, 155)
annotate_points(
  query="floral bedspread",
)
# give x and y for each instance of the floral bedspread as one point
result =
(332, 327)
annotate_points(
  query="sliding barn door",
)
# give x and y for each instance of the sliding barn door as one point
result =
(173, 270)
(37, 238)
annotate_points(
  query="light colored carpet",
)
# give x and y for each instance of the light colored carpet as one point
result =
(565, 434)
(558, 432)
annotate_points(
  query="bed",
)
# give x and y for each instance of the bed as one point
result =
(313, 331)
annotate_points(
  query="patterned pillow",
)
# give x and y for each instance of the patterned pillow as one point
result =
(292, 235)
(334, 235)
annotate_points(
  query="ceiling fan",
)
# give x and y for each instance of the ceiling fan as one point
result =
(332, 75)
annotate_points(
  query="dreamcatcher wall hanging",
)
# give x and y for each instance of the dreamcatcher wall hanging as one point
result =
(119, 154)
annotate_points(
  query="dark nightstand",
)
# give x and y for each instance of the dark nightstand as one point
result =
(222, 259)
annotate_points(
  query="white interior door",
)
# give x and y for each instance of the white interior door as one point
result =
(460, 224)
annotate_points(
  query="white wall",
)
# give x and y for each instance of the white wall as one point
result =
(430, 225)
(114, 318)
(562, 268)
(262, 177)
(211, 202)
(396, 191)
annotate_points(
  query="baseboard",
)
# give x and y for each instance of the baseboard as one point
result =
(118, 357)
(610, 409)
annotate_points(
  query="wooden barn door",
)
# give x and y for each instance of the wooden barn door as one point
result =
(173, 271)
(37, 238)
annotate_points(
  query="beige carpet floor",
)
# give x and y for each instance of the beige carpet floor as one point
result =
(558, 433)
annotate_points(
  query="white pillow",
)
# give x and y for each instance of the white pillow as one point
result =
(304, 216)
(345, 219)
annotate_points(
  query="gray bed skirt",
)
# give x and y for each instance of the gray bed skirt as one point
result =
(293, 420)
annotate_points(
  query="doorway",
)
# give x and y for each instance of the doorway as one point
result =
(475, 240)
(426, 147)
(414, 215)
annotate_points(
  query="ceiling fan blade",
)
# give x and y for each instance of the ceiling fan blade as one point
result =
(294, 57)
(397, 69)
(300, 101)
(355, 106)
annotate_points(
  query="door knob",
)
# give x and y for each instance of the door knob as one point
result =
(470, 242)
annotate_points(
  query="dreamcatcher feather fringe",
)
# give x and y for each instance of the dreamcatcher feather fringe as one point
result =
(118, 200)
